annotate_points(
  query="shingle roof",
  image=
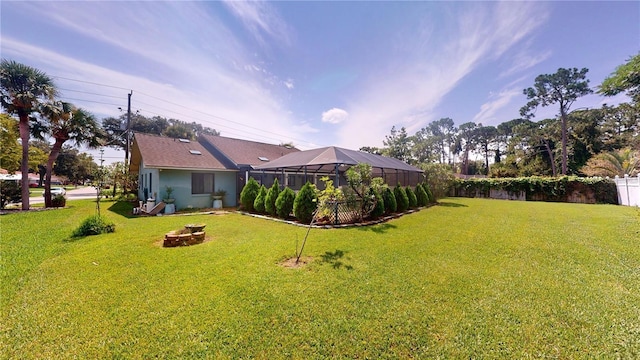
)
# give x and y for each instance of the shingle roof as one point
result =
(245, 152)
(325, 159)
(168, 153)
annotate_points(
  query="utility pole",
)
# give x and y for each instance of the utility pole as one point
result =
(128, 140)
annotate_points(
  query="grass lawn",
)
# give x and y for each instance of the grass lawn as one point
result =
(470, 278)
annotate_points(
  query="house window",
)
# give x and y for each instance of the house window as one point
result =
(202, 183)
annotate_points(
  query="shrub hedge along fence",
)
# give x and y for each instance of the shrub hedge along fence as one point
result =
(303, 205)
(560, 189)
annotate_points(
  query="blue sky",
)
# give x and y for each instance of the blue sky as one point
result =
(317, 73)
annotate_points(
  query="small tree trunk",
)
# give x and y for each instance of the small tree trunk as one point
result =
(53, 155)
(563, 117)
(553, 162)
(24, 166)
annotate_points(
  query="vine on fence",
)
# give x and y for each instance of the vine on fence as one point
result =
(540, 188)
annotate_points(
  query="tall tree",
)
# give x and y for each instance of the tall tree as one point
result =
(74, 165)
(444, 131)
(563, 87)
(625, 78)
(539, 140)
(66, 122)
(465, 142)
(486, 136)
(398, 144)
(504, 136)
(425, 147)
(586, 139)
(620, 126)
(22, 90)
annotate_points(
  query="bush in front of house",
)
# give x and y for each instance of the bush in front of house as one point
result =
(284, 203)
(258, 204)
(58, 201)
(401, 198)
(249, 194)
(270, 199)
(421, 196)
(378, 209)
(413, 200)
(94, 225)
(390, 203)
(305, 203)
(10, 192)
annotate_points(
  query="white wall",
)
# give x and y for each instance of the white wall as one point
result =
(628, 190)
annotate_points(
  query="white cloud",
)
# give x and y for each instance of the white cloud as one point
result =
(288, 84)
(334, 116)
(525, 61)
(497, 102)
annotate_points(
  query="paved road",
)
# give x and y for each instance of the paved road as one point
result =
(87, 192)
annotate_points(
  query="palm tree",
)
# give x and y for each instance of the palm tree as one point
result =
(621, 162)
(66, 122)
(22, 90)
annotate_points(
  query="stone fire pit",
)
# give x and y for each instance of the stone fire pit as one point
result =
(184, 237)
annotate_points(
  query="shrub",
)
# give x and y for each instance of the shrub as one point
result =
(305, 203)
(249, 194)
(390, 203)
(378, 210)
(94, 225)
(439, 179)
(58, 201)
(413, 200)
(327, 199)
(258, 204)
(430, 196)
(401, 198)
(284, 203)
(421, 196)
(10, 192)
(270, 199)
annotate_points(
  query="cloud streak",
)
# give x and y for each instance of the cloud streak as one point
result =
(499, 101)
(261, 20)
(409, 94)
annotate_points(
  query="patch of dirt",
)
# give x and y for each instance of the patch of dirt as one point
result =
(291, 262)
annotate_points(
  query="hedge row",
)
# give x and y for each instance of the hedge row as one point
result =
(272, 201)
(561, 189)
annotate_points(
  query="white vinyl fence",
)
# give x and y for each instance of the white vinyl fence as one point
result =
(628, 190)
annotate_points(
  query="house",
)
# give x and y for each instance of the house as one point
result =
(195, 169)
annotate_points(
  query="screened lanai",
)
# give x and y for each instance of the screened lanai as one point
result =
(295, 169)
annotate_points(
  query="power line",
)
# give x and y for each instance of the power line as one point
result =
(215, 124)
(222, 118)
(90, 93)
(91, 101)
(89, 82)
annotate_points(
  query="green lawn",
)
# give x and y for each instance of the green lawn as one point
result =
(470, 278)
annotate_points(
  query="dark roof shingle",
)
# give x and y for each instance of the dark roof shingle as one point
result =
(245, 152)
(167, 153)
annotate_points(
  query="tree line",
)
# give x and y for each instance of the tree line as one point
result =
(602, 141)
